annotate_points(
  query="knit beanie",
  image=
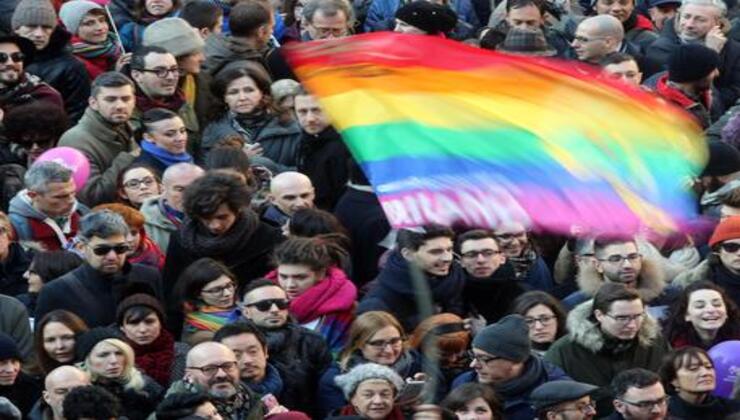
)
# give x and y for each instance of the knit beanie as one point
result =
(174, 35)
(728, 228)
(9, 348)
(349, 381)
(86, 341)
(139, 299)
(430, 17)
(691, 62)
(281, 89)
(72, 12)
(724, 159)
(508, 338)
(33, 13)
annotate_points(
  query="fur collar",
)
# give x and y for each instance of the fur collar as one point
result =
(588, 334)
(650, 284)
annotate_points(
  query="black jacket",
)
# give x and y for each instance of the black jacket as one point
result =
(394, 292)
(23, 393)
(712, 409)
(324, 158)
(492, 297)
(56, 66)
(94, 296)
(301, 356)
(12, 282)
(136, 405)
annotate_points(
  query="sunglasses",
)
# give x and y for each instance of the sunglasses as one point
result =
(16, 57)
(105, 249)
(730, 247)
(265, 305)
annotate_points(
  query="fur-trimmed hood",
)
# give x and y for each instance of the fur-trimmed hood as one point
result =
(588, 334)
(703, 271)
(650, 284)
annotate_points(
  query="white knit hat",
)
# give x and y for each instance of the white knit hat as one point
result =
(72, 12)
(358, 374)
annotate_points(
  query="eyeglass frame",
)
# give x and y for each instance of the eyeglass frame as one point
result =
(162, 73)
(16, 57)
(591, 406)
(382, 344)
(531, 321)
(147, 181)
(475, 254)
(222, 366)
(647, 405)
(632, 257)
(272, 302)
(216, 291)
(482, 359)
(625, 319)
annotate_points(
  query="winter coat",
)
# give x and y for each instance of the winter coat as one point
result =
(713, 408)
(136, 404)
(491, 297)
(94, 296)
(24, 392)
(323, 158)
(515, 392)
(728, 81)
(639, 30)
(359, 211)
(586, 354)
(713, 270)
(157, 225)
(699, 108)
(301, 356)
(280, 142)
(132, 34)
(108, 149)
(381, 15)
(56, 65)
(395, 293)
(15, 323)
(221, 49)
(251, 409)
(12, 282)
(31, 88)
(34, 226)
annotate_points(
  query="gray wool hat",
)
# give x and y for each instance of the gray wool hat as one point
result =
(349, 381)
(556, 392)
(34, 12)
(174, 35)
(508, 338)
(281, 89)
(72, 12)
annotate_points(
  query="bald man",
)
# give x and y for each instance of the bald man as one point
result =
(212, 367)
(289, 192)
(596, 37)
(57, 385)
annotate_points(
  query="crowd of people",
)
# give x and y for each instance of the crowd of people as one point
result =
(226, 258)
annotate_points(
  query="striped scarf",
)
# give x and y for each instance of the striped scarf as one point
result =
(210, 318)
(109, 49)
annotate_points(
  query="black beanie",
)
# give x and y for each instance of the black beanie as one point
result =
(430, 17)
(691, 62)
(508, 338)
(84, 342)
(724, 159)
(9, 348)
(139, 299)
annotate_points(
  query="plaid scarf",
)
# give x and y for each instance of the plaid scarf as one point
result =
(109, 49)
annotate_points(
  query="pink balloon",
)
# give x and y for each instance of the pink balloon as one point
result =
(72, 159)
(726, 358)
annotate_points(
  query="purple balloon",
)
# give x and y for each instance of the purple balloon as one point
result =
(726, 358)
(71, 158)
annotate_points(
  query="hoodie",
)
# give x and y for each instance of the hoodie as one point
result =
(34, 226)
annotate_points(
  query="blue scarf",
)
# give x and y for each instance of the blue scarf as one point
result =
(272, 383)
(163, 155)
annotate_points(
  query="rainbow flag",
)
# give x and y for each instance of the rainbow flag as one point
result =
(449, 133)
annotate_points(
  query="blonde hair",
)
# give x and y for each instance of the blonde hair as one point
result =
(363, 329)
(131, 378)
(5, 222)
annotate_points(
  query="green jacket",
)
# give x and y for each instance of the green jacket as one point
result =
(157, 226)
(586, 356)
(108, 149)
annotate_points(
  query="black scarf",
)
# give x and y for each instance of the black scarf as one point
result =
(196, 238)
(532, 375)
(253, 123)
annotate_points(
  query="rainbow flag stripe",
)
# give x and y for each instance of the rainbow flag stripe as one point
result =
(449, 133)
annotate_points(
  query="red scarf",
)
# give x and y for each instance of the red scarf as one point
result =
(173, 103)
(148, 253)
(155, 359)
(395, 414)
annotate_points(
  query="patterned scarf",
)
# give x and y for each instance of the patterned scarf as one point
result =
(210, 318)
(109, 49)
(155, 359)
(236, 408)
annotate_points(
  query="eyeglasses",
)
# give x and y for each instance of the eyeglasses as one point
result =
(163, 72)
(102, 250)
(220, 290)
(335, 32)
(381, 344)
(730, 247)
(619, 259)
(135, 183)
(511, 236)
(481, 358)
(544, 320)
(584, 40)
(16, 57)
(488, 253)
(646, 405)
(583, 408)
(211, 370)
(266, 305)
(626, 319)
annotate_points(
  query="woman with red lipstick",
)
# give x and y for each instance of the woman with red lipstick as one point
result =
(689, 377)
(702, 317)
(54, 339)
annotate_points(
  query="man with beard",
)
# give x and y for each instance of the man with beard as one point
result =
(608, 334)
(688, 84)
(490, 284)
(212, 368)
(639, 395)
(105, 136)
(16, 86)
(529, 267)
(299, 354)
(720, 177)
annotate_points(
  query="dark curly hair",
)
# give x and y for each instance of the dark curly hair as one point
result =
(207, 193)
(181, 404)
(91, 402)
(35, 121)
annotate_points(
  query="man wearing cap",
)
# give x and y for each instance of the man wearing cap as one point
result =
(703, 22)
(57, 385)
(36, 20)
(662, 12)
(184, 42)
(21, 389)
(502, 358)
(17, 87)
(722, 266)
(425, 18)
(608, 334)
(692, 68)
(563, 400)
